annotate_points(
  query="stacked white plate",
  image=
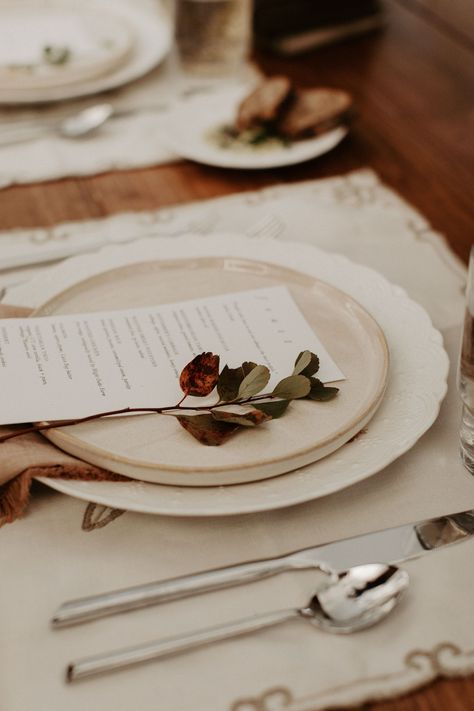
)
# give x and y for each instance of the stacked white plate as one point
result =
(56, 49)
(308, 453)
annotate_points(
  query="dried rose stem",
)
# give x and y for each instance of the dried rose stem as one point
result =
(129, 410)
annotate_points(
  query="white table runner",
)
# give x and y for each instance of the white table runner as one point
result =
(46, 558)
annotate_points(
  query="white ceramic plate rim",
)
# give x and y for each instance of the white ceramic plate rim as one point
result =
(419, 394)
(187, 139)
(153, 36)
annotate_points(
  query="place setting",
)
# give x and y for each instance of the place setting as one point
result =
(114, 82)
(98, 313)
(236, 431)
(350, 329)
(72, 78)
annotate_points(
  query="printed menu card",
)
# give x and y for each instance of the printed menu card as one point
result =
(70, 366)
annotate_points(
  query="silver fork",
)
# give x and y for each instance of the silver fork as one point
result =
(51, 256)
(32, 264)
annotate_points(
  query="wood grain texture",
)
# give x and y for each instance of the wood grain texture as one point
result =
(442, 695)
(413, 86)
(413, 89)
(455, 15)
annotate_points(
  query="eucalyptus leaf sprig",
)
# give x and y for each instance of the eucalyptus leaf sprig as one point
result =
(240, 403)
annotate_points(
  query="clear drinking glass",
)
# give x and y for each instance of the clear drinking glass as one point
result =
(213, 36)
(466, 374)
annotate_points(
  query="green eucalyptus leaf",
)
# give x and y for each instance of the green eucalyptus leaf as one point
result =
(273, 408)
(321, 392)
(230, 379)
(247, 367)
(206, 429)
(229, 383)
(301, 362)
(254, 381)
(292, 387)
(244, 415)
(307, 364)
(56, 54)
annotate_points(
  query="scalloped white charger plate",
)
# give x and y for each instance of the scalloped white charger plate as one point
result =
(416, 384)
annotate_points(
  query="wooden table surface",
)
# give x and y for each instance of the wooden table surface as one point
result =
(413, 85)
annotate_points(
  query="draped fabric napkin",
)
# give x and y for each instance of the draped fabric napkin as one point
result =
(25, 457)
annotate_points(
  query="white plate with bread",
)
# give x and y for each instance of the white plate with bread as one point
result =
(272, 125)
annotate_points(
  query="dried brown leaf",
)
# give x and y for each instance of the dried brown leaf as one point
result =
(244, 415)
(199, 377)
(206, 429)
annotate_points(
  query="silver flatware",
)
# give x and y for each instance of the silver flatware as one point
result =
(349, 602)
(74, 126)
(393, 544)
(269, 227)
(80, 123)
(56, 252)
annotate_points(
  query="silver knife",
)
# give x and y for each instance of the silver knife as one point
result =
(390, 545)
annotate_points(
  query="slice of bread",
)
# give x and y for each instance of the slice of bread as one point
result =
(313, 111)
(264, 104)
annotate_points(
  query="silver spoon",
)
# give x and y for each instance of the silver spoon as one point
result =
(74, 126)
(79, 124)
(85, 121)
(350, 601)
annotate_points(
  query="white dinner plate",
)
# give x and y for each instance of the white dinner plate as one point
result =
(416, 383)
(157, 449)
(151, 34)
(192, 120)
(94, 42)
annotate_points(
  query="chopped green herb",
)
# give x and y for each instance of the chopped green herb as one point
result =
(56, 54)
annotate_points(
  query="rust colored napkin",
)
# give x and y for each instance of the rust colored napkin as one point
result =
(23, 458)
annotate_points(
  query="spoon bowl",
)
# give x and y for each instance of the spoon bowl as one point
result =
(356, 598)
(86, 121)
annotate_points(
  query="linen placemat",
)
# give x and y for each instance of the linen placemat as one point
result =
(292, 667)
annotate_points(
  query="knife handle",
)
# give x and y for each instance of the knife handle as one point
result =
(95, 606)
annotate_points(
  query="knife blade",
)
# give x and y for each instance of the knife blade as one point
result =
(394, 545)
(391, 545)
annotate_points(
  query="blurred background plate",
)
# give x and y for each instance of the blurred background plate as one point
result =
(147, 32)
(52, 45)
(191, 139)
